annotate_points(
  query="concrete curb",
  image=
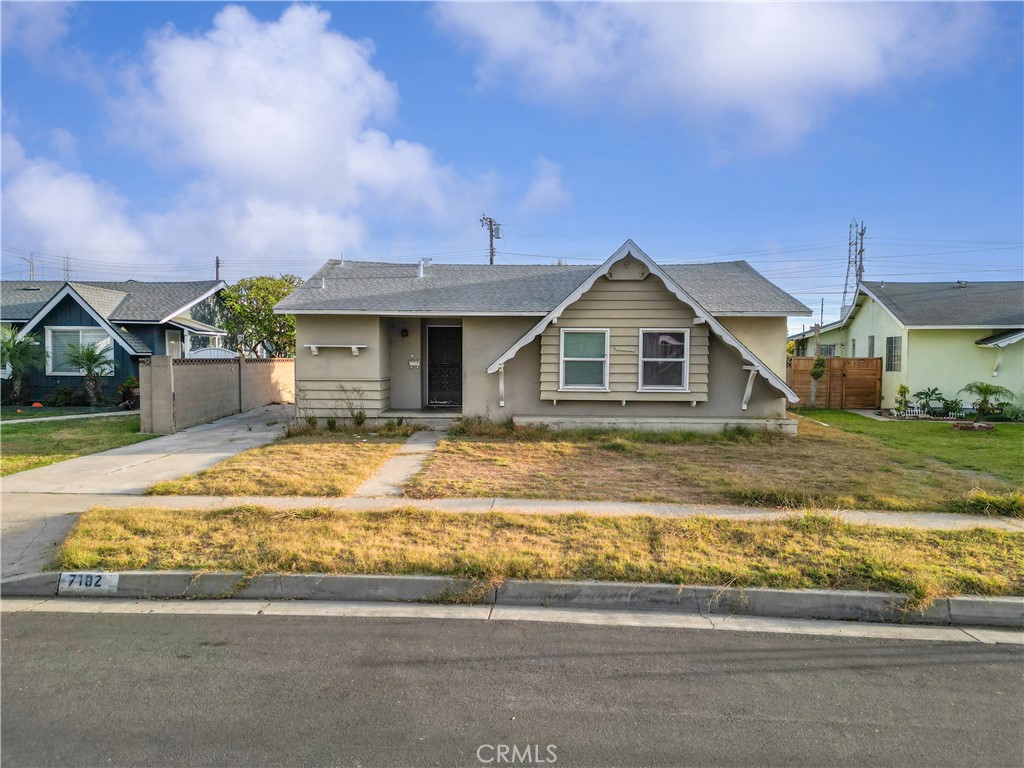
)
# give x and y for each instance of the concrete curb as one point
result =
(782, 603)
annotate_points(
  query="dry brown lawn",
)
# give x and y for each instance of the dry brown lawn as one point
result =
(811, 551)
(822, 467)
(315, 465)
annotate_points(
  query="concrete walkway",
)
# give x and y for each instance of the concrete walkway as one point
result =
(100, 415)
(33, 523)
(399, 469)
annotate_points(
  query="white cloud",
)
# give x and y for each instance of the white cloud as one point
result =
(54, 210)
(775, 66)
(546, 194)
(34, 27)
(287, 111)
(279, 130)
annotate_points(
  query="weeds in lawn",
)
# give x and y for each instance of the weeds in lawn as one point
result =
(803, 552)
(979, 502)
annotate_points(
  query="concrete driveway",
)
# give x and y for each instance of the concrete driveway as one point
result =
(39, 506)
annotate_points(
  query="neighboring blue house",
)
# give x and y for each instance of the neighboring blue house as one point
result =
(131, 320)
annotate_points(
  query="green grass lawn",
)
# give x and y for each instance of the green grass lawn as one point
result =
(27, 446)
(10, 412)
(999, 452)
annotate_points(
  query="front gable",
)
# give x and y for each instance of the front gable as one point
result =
(625, 302)
(630, 261)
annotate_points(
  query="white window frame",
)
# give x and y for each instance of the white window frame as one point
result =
(562, 360)
(894, 354)
(49, 346)
(685, 361)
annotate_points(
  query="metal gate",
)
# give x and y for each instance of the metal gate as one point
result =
(848, 382)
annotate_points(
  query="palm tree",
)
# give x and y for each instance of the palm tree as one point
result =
(985, 394)
(927, 396)
(23, 355)
(93, 363)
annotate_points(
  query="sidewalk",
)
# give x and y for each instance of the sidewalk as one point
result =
(100, 415)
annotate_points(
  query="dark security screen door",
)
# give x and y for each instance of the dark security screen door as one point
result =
(444, 365)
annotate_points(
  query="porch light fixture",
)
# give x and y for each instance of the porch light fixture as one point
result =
(405, 333)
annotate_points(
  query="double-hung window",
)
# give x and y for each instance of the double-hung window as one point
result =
(59, 343)
(664, 359)
(584, 359)
(893, 353)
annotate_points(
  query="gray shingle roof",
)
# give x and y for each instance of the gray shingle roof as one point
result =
(985, 304)
(380, 288)
(131, 301)
(133, 341)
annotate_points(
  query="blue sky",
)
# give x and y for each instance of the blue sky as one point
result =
(145, 139)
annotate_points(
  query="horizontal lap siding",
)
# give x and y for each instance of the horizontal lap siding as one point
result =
(624, 307)
(328, 398)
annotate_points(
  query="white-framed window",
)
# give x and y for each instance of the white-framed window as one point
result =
(59, 340)
(827, 350)
(173, 344)
(664, 359)
(583, 359)
(893, 353)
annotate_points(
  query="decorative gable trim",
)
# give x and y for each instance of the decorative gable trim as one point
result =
(67, 290)
(630, 249)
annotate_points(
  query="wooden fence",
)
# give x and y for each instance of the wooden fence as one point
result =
(849, 382)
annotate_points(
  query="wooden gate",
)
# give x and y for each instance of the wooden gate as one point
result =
(849, 382)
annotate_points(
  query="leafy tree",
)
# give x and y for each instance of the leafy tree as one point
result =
(985, 393)
(250, 314)
(94, 363)
(23, 355)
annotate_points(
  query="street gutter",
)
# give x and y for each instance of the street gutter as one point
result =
(844, 605)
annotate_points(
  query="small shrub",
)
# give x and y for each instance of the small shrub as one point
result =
(60, 397)
(311, 422)
(332, 424)
(359, 417)
(389, 426)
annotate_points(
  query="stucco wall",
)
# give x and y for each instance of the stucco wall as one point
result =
(949, 359)
(764, 336)
(327, 383)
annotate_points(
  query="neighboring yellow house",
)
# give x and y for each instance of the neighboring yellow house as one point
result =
(942, 335)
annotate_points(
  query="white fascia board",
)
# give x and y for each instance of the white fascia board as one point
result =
(67, 290)
(402, 313)
(878, 301)
(756, 313)
(953, 327)
(631, 248)
(218, 287)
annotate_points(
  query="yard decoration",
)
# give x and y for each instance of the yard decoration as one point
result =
(986, 394)
(37, 405)
(23, 355)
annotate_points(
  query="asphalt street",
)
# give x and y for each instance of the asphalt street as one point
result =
(102, 690)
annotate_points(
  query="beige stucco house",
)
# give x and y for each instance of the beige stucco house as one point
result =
(941, 335)
(626, 343)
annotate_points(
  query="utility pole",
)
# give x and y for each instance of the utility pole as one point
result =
(67, 266)
(31, 266)
(216, 265)
(860, 253)
(493, 230)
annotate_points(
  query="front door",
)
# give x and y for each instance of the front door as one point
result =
(444, 366)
